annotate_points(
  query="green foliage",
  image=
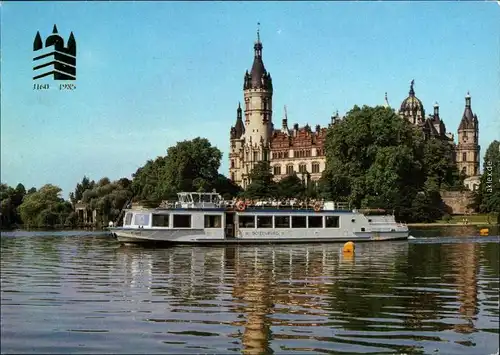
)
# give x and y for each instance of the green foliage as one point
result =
(226, 187)
(190, 165)
(44, 208)
(487, 199)
(291, 186)
(439, 165)
(10, 200)
(262, 184)
(77, 196)
(108, 199)
(447, 217)
(375, 158)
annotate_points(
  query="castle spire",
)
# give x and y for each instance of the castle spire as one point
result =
(258, 78)
(412, 92)
(284, 126)
(386, 102)
(258, 44)
(54, 30)
(238, 128)
(467, 100)
(436, 109)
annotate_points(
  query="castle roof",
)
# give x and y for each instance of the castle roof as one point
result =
(412, 103)
(469, 119)
(239, 128)
(258, 77)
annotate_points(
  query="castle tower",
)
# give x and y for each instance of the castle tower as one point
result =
(412, 108)
(258, 94)
(236, 148)
(468, 142)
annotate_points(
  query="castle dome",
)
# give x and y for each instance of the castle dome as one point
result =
(412, 108)
(412, 103)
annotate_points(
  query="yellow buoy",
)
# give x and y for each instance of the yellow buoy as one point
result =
(484, 231)
(348, 248)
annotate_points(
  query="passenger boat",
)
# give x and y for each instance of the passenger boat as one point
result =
(205, 218)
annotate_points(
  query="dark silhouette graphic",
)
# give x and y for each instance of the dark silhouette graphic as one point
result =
(63, 58)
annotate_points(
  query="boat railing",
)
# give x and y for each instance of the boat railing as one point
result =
(291, 204)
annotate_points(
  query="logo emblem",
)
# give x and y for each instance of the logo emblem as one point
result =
(53, 58)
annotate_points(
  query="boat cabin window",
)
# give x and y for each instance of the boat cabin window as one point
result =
(213, 221)
(182, 221)
(315, 221)
(128, 219)
(332, 222)
(160, 220)
(264, 221)
(141, 219)
(353, 220)
(246, 221)
(299, 222)
(281, 221)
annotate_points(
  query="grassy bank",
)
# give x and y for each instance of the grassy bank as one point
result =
(462, 220)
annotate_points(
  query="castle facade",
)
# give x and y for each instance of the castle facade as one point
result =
(300, 150)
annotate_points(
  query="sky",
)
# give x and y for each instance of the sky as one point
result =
(150, 74)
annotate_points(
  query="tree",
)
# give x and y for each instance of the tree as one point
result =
(10, 200)
(107, 199)
(488, 196)
(438, 164)
(290, 186)
(262, 184)
(375, 158)
(190, 165)
(226, 187)
(80, 188)
(45, 207)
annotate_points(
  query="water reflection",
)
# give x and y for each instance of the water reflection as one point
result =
(387, 298)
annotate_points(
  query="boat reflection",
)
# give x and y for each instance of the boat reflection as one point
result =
(271, 291)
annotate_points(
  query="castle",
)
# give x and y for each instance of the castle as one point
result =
(300, 150)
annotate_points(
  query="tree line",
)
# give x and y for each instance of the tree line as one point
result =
(374, 159)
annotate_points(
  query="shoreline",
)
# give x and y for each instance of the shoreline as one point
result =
(439, 224)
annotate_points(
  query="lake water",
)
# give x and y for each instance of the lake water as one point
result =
(72, 292)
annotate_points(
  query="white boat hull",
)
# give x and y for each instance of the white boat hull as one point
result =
(191, 236)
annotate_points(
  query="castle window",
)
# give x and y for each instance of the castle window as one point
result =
(315, 168)
(308, 153)
(302, 168)
(464, 156)
(289, 169)
(475, 170)
(255, 156)
(277, 170)
(475, 156)
(232, 163)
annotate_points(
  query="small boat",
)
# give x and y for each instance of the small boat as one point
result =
(205, 218)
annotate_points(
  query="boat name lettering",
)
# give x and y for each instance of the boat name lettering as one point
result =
(273, 233)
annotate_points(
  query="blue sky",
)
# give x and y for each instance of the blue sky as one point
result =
(150, 74)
